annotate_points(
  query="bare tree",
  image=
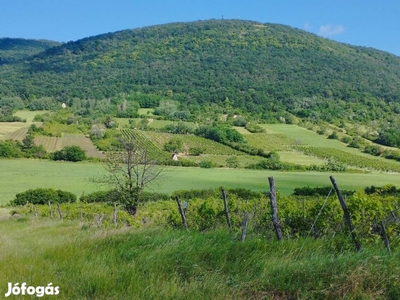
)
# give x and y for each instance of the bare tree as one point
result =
(129, 171)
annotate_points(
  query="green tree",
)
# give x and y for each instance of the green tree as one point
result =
(28, 142)
(70, 153)
(10, 148)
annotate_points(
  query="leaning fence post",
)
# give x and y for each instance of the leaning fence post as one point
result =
(228, 220)
(274, 208)
(346, 213)
(381, 230)
(181, 212)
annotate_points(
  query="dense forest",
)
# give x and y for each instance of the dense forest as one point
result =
(264, 70)
(14, 50)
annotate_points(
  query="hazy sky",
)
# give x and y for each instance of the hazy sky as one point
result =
(370, 23)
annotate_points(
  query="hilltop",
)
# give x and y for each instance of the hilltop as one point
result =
(265, 70)
(13, 50)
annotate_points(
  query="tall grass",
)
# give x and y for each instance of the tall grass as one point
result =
(164, 264)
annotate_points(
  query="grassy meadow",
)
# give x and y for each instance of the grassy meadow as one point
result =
(151, 263)
(29, 114)
(19, 175)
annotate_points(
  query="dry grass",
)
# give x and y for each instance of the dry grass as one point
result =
(8, 128)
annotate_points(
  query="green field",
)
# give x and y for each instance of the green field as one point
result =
(29, 114)
(307, 137)
(21, 174)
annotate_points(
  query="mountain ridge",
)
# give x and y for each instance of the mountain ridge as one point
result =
(257, 66)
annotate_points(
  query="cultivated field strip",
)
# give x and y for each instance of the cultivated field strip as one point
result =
(144, 141)
(52, 144)
(82, 141)
(192, 141)
(18, 135)
(7, 129)
(351, 159)
(49, 143)
(269, 142)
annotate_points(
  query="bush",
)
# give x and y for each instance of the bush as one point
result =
(114, 196)
(43, 196)
(333, 136)
(357, 142)
(100, 196)
(254, 128)
(232, 162)
(318, 191)
(69, 153)
(195, 151)
(373, 150)
(346, 139)
(174, 145)
(10, 149)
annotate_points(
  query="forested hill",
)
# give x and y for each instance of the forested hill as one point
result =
(12, 50)
(258, 67)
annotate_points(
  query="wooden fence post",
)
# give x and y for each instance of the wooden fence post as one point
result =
(99, 219)
(35, 212)
(244, 226)
(50, 212)
(228, 220)
(181, 212)
(115, 214)
(346, 214)
(274, 208)
(381, 230)
(59, 211)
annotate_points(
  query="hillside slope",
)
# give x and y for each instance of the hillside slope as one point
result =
(261, 68)
(12, 50)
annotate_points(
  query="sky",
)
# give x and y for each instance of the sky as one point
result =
(370, 23)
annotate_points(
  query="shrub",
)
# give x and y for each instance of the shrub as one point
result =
(346, 139)
(254, 128)
(318, 191)
(356, 142)
(43, 196)
(10, 149)
(114, 196)
(174, 145)
(195, 151)
(373, 150)
(70, 153)
(232, 162)
(100, 196)
(333, 136)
